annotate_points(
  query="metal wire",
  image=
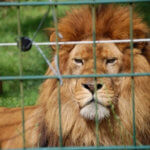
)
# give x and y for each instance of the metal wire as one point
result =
(80, 42)
(41, 23)
(55, 72)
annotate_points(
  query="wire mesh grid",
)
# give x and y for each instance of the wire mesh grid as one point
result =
(21, 77)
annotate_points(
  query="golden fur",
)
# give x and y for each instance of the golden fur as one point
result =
(77, 95)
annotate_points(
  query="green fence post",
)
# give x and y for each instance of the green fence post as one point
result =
(21, 73)
(95, 72)
(55, 17)
(132, 71)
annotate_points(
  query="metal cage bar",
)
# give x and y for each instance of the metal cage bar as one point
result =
(77, 2)
(21, 74)
(132, 71)
(95, 148)
(55, 17)
(95, 71)
(36, 77)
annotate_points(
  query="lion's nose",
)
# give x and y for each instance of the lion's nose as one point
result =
(90, 87)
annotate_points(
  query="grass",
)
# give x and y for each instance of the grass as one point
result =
(33, 63)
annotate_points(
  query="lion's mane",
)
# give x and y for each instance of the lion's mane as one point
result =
(112, 22)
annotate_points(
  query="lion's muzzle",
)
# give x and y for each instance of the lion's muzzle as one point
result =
(95, 99)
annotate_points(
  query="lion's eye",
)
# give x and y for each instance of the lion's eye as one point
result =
(78, 61)
(111, 61)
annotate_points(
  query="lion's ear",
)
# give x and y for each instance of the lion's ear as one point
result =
(145, 49)
(146, 52)
(61, 38)
(48, 31)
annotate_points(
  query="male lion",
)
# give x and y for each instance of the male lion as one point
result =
(78, 95)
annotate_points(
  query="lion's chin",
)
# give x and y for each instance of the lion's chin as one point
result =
(89, 112)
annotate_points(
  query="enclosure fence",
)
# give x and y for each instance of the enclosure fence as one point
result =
(53, 6)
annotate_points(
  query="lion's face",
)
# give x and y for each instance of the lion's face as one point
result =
(108, 60)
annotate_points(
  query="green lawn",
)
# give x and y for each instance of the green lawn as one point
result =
(33, 63)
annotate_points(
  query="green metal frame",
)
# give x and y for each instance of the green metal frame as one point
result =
(94, 148)
(75, 2)
(36, 77)
(54, 5)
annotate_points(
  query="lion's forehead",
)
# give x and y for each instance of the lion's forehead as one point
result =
(104, 50)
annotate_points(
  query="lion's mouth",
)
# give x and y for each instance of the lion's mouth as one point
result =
(96, 103)
(93, 107)
(91, 101)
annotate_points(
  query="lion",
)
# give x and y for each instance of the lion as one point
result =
(85, 99)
